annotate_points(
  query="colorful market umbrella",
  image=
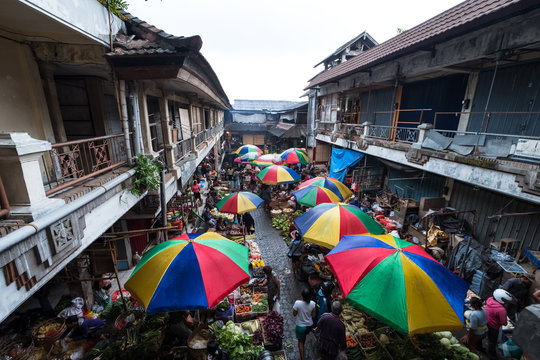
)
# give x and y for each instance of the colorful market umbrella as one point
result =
(189, 275)
(244, 149)
(334, 185)
(239, 203)
(277, 175)
(314, 195)
(249, 157)
(295, 156)
(325, 224)
(268, 160)
(398, 283)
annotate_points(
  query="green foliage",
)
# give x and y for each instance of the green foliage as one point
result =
(146, 175)
(238, 345)
(115, 6)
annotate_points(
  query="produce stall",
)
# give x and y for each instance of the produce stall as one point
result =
(368, 338)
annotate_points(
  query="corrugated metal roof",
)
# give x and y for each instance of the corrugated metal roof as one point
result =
(463, 17)
(266, 105)
(364, 34)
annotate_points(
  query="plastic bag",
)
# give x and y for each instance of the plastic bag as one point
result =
(510, 349)
(277, 307)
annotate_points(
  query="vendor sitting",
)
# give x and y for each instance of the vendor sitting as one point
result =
(84, 328)
(208, 218)
(221, 225)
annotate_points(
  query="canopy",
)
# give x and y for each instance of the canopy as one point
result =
(239, 203)
(189, 274)
(398, 283)
(341, 160)
(314, 195)
(268, 160)
(325, 224)
(244, 149)
(334, 185)
(295, 156)
(277, 175)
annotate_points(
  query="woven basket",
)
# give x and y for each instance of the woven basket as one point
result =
(120, 324)
(46, 340)
(7, 347)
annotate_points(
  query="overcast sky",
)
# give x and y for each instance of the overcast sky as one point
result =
(266, 50)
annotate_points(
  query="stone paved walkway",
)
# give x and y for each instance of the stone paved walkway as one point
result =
(274, 252)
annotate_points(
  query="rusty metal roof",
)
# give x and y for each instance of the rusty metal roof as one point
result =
(467, 16)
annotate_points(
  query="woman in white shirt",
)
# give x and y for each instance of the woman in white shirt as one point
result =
(304, 311)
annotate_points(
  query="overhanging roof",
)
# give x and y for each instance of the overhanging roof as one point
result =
(462, 18)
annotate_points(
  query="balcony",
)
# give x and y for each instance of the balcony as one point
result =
(70, 163)
(506, 161)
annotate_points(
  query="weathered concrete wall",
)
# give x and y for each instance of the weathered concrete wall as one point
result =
(87, 17)
(22, 102)
(45, 254)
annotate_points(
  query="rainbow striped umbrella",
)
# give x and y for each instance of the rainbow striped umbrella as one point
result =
(398, 283)
(248, 157)
(334, 185)
(268, 160)
(277, 175)
(325, 224)
(239, 203)
(295, 156)
(244, 149)
(314, 195)
(189, 274)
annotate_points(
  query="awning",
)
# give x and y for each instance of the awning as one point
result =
(341, 160)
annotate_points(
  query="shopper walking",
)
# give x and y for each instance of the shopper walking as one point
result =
(304, 311)
(331, 333)
(496, 314)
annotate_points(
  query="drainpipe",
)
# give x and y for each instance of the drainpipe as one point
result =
(125, 123)
(163, 199)
(498, 57)
(134, 104)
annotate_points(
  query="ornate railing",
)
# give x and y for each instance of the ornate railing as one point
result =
(182, 149)
(69, 163)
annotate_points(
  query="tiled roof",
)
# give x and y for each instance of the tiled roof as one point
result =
(127, 45)
(463, 17)
(266, 105)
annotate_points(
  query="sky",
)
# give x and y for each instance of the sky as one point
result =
(266, 50)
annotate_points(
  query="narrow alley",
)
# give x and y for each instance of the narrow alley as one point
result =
(274, 251)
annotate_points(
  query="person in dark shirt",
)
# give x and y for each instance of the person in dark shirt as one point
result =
(331, 330)
(215, 352)
(249, 223)
(519, 289)
(84, 328)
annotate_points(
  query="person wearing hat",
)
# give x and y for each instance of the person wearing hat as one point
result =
(519, 288)
(496, 318)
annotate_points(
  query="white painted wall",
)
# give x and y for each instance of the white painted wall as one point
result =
(249, 119)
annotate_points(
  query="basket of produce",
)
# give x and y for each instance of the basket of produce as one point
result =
(259, 304)
(48, 331)
(351, 341)
(279, 355)
(19, 348)
(243, 312)
(224, 310)
(276, 212)
(132, 317)
(368, 341)
(250, 327)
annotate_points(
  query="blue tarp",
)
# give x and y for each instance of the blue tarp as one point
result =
(341, 160)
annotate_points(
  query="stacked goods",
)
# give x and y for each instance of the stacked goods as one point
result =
(354, 321)
(243, 312)
(257, 266)
(254, 251)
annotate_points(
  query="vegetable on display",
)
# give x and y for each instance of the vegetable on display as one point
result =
(273, 327)
(238, 345)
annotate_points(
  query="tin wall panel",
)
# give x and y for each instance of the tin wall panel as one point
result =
(405, 184)
(378, 100)
(487, 203)
(516, 89)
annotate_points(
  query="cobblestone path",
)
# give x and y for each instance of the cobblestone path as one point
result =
(274, 252)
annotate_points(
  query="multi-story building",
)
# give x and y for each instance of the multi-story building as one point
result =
(455, 98)
(82, 92)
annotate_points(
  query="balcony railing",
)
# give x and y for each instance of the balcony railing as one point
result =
(200, 138)
(393, 133)
(182, 149)
(69, 163)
